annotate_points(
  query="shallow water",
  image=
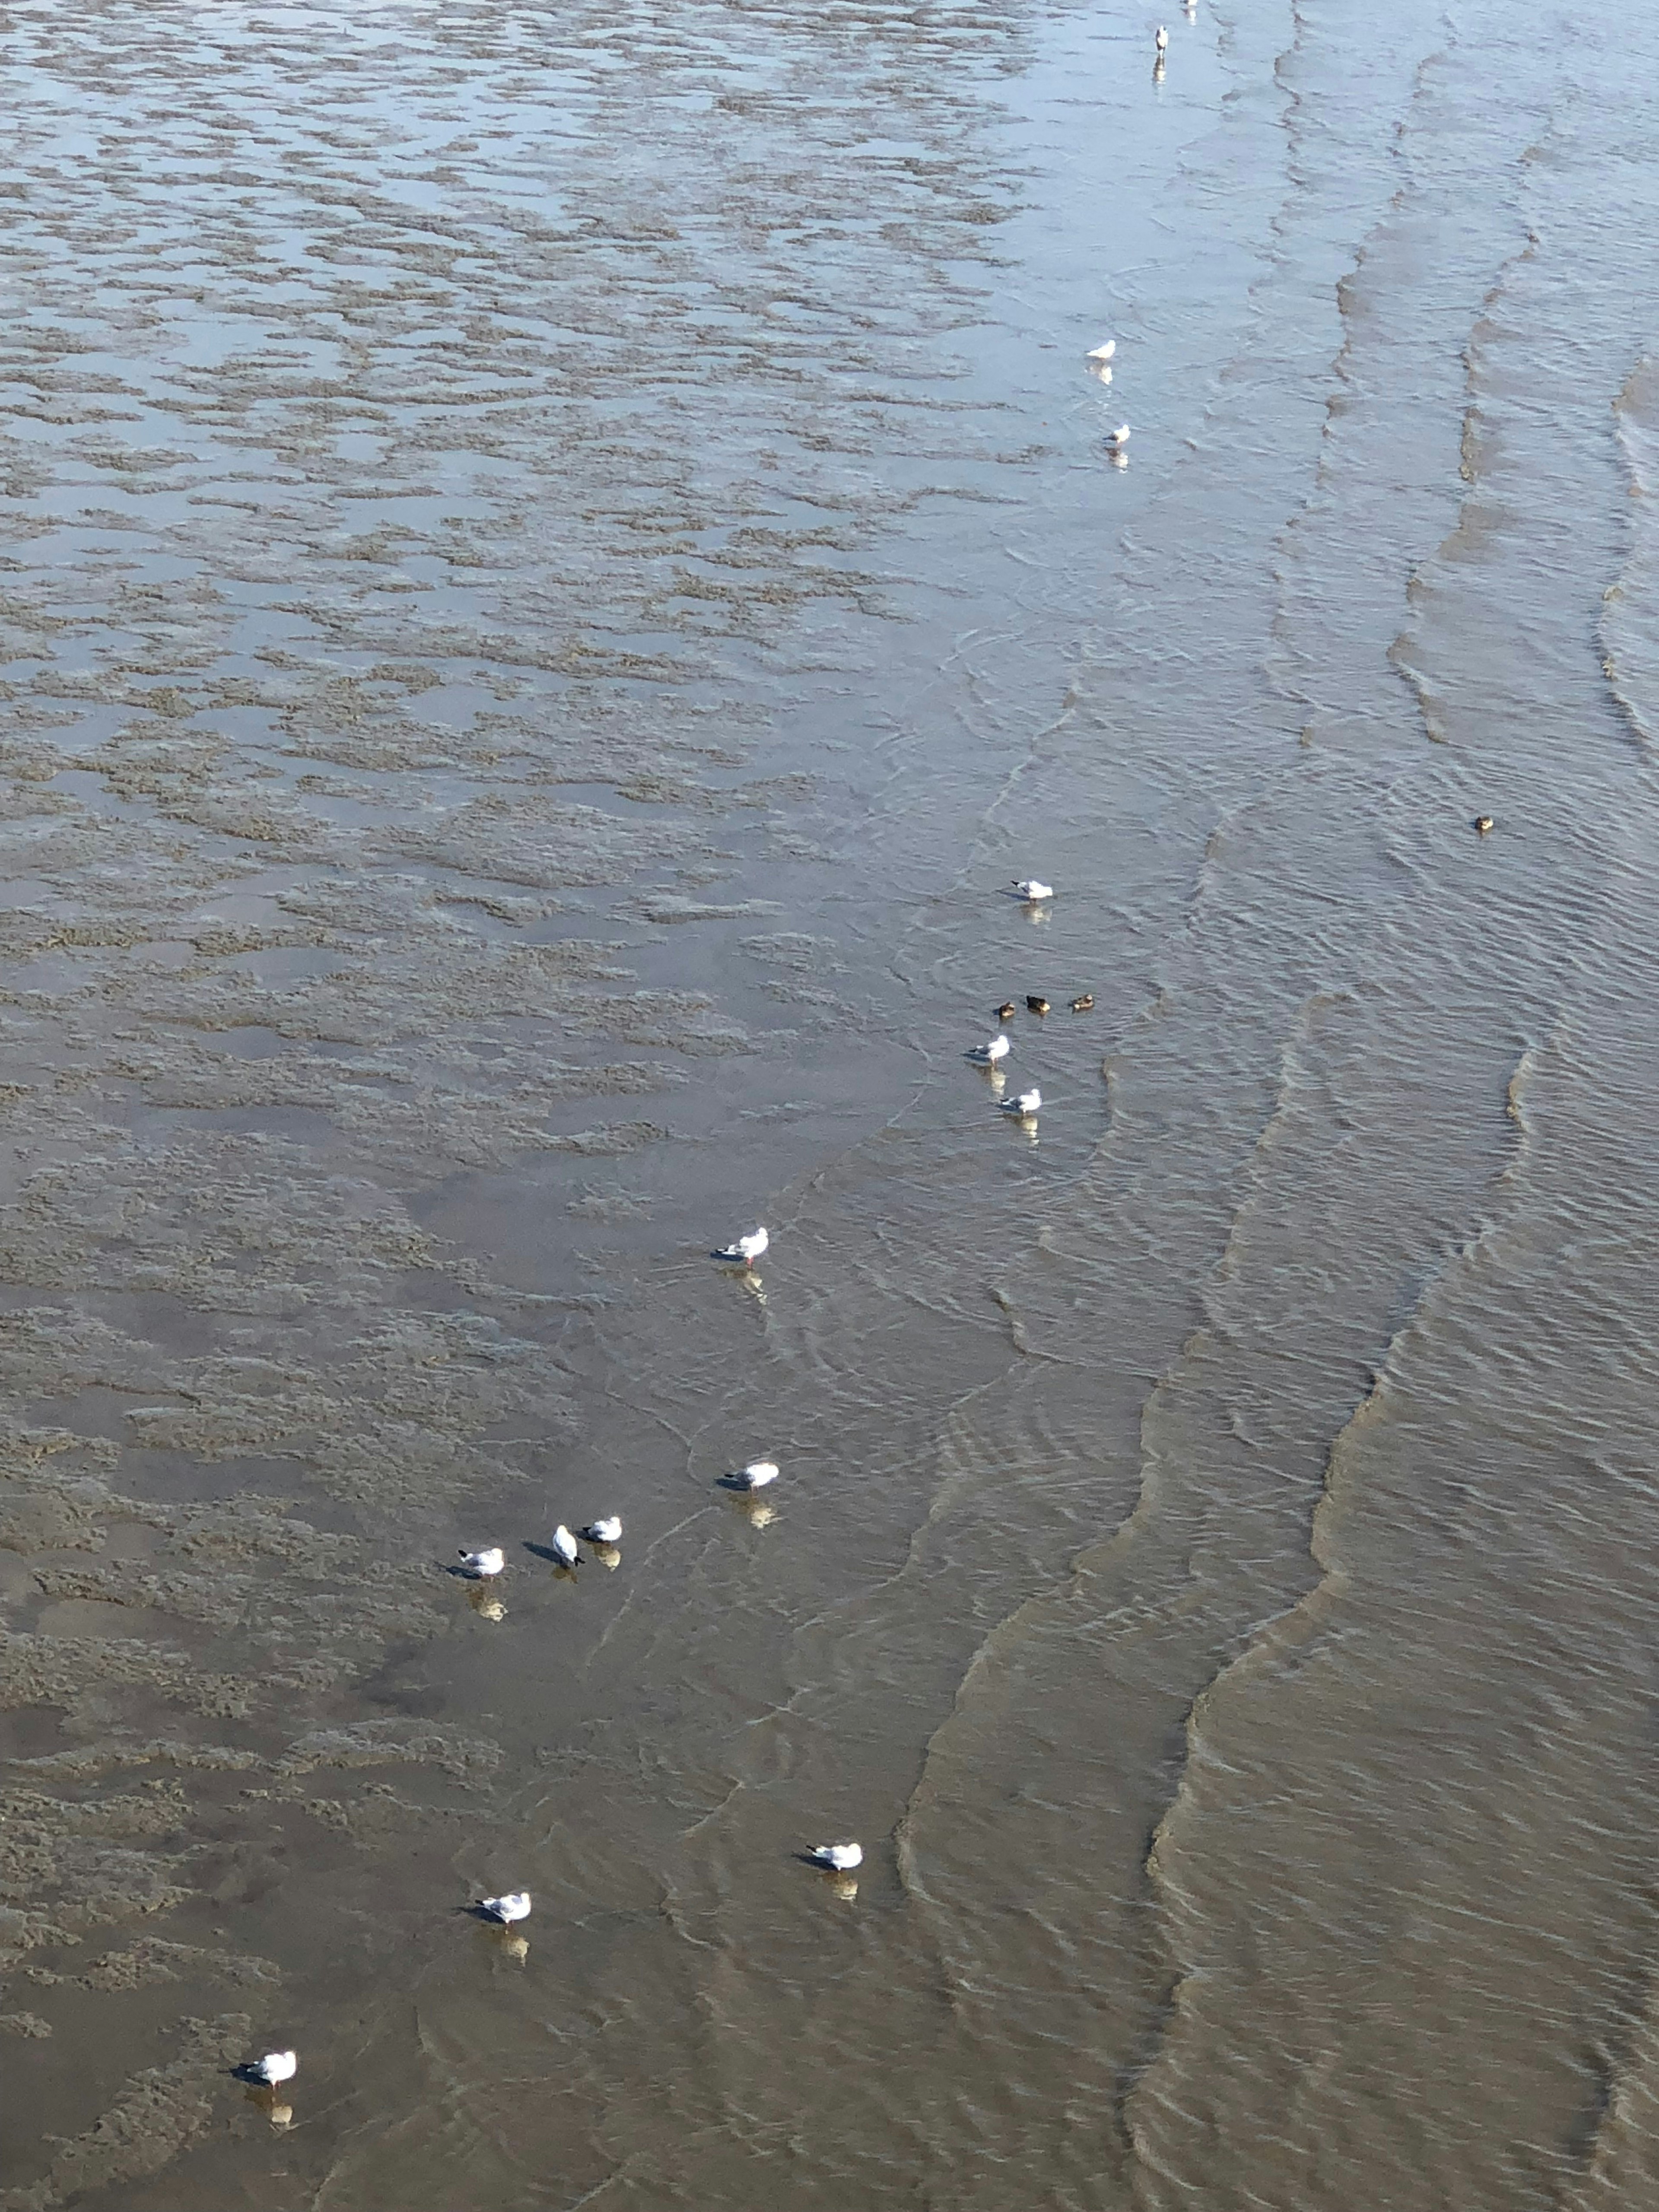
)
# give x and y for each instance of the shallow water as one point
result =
(558, 564)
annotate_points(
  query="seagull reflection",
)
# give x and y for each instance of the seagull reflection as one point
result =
(843, 1886)
(511, 1944)
(608, 1555)
(268, 2101)
(485, 1603)
(758, 1512)
(751, 1282)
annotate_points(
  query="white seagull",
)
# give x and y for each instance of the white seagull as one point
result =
(607, 1531)
(515, 1905)
(488, 1561)
(1118, 438)
(275, 2066)
(843, 1857)
(1032, 889)
(563, 1546)
(987, 1054)
(1161, 41)
(1028, 1105)
(1102, 352)
(755, 1476)
(747, 1250)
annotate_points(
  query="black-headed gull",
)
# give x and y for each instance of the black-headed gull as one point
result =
(606, 1531)
(841, 1857)
(755, 1476)
(1032, 889)
(563, 1546)
(515, 1905)
(275, 2066)
(988, 1054)
(490, 1561)
(746, 1251)
(1028, 1105)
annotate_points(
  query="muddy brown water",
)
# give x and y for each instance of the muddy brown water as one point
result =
(556, 563)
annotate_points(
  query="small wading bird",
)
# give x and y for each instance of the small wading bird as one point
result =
(988, 1054)
(755, 1476)
(1084, 1003)
(1032, 889)
(563, 1547)
(515, 1905)
(746, 1251)
(1102, 352)
(1006, 1011)
(1483, 824)
(275, 2066)
(606, 1531)
(1118, 438)
(840, 1858)
(1028, 1105)
(480, 1564)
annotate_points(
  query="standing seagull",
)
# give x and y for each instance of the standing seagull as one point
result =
(747, 1250)
(755, 1476)
(988, 1054)
(1102, 352)
(481, 1564)
(1118, 438)
(275, 2066)
(1032, 889)
(1028, 1105)
(1162, 42)
(515, 1905)
(843, 1857)
(607, 1530)
(563, 1547)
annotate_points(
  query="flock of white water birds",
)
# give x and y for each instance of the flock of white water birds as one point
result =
(603, 1537)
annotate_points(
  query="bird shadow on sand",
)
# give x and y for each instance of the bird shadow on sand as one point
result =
(546, 1551)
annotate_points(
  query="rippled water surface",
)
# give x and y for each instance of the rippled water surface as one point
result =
(557, 562)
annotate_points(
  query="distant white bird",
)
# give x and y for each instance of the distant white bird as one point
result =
(747, 1250)
(1032, 889)
(564, 1546)
(607, 1531)
(1102, 352)
(515, 1905)
(275, 2066)
(488, 1561)
(1118, 438)
(755, 1476)
(1027, 1105)
(843, 1857)
(1161, 41)
(987, 1054)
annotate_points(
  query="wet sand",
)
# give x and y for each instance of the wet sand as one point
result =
(557, 569)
